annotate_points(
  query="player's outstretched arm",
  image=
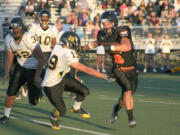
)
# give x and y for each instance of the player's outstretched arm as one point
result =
(8, 65)
(91, 45)
(41, 61)
(88, 70)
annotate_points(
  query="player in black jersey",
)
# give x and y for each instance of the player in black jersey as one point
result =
(118, 43)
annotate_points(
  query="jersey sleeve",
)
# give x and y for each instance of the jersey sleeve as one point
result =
(124, 32)
(32, 27)
(71, 57)
(8, 41)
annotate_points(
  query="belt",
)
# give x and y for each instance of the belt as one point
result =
(125, 69)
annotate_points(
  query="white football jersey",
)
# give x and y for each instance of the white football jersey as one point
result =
(59, 65)
(7, 39)
(150, 46)
(24, 49)
(166, 46)
(45, 36)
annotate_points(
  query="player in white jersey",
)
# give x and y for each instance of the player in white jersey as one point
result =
(62, 59)
(30, 60)
(46, 32)
(7, 39)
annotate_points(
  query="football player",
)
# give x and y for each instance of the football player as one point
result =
(25, 46)
(62, 59)
(46, 32)
(118, 43)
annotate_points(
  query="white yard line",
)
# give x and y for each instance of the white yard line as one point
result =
(160, 102)
(67, 127)
(158, 88)
(143, 101)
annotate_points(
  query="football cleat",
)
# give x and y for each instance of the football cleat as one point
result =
(54, 123)
(132, 123)
(4, 119)
(114, 115)
(82, 112)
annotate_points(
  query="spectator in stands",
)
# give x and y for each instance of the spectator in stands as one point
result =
(43, 4)
(96, 19)
(22, 12)
(132, 8)
(29, 9)
(5, 27)
(165, 46)
(65, 11)
(72, 19)
(149, 53)
(84, 4)
(150, 8)
(158, 7)
(142, 7)
(59, 24)
(100, 52)
(96, 29)
(84, 18)
(164, 19)
(78, 9)
(153, 19)
(123, 9)
(72, 4)
(172, 17)
(89, 29)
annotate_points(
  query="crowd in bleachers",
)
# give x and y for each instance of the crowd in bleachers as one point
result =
(77, 13)
(155, 13)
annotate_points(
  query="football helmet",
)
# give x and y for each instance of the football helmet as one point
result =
(71, 40)
(17, 27)
(108, 20)
(44, 16)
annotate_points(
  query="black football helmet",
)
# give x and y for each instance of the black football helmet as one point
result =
(71, 40)
(17, 27)
(108, 16)
(44, 16)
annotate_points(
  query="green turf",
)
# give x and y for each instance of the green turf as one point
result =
(157, 109)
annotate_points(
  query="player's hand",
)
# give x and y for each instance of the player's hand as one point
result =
(37, 82)
(5, 78)
(86, 47)
(110, 78)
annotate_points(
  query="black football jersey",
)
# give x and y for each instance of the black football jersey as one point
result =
(121, 59)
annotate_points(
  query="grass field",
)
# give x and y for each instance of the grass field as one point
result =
(157, 110)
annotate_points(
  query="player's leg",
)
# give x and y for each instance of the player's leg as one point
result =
(102, 64)
(15, 82)
(82, 91)
(97, 63)
(34, 93)
(117, 107)
(124, 79)
(146, 63)
(55, 96)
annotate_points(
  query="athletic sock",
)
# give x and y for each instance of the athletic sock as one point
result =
(130, 114)
(117, 108)
(7, 112)
(77, 105)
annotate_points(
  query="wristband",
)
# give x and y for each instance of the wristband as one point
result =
(112, 48)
